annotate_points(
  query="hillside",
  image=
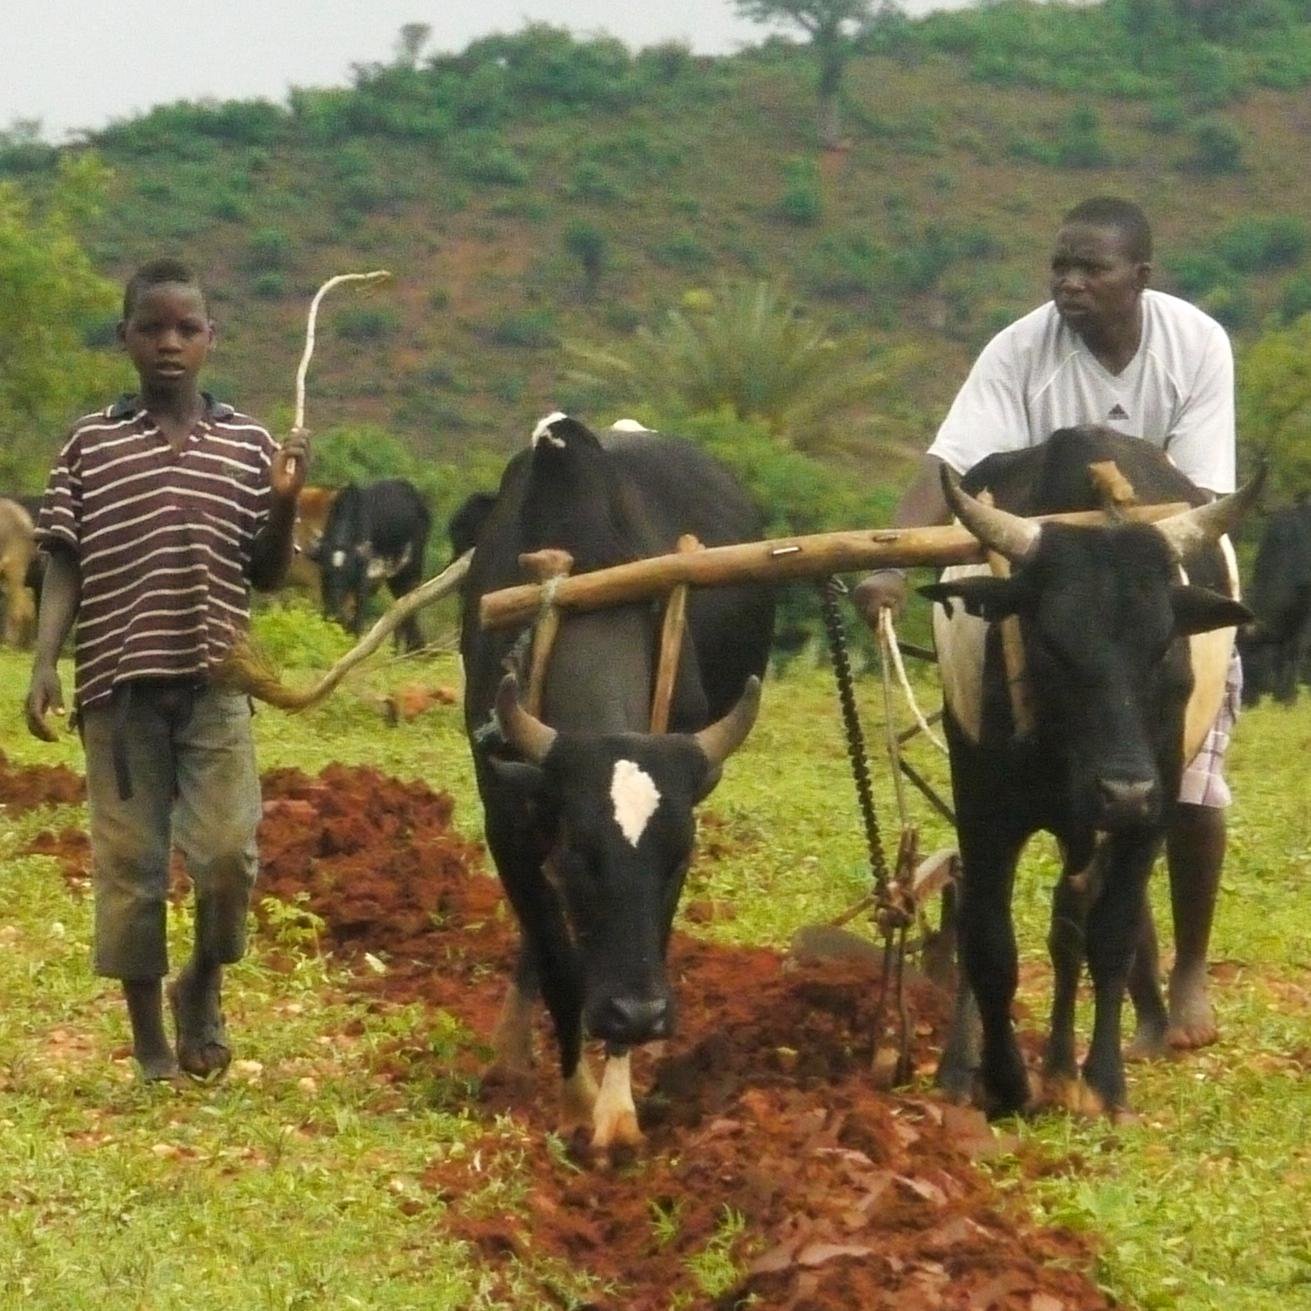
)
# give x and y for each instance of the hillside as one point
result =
(474, 177)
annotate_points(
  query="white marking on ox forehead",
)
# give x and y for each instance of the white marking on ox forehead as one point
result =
(629, 425)
(543, 428)
(338, 559)
(635, 797)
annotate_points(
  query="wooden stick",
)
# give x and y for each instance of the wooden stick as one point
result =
(543, 565)
(671, 644)
(378, 275)
(1012, 649)
(243, 669)
(782, 560)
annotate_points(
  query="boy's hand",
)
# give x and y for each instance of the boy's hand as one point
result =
(44, 693)
(290, 465)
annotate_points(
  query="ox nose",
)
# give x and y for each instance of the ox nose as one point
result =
(1127, 801)
(630, 1020)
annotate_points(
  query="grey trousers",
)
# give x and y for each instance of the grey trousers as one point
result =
(190, 757)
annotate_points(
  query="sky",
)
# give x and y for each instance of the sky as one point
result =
(82, 63)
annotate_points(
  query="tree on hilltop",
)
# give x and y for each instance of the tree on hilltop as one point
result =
(834, 27)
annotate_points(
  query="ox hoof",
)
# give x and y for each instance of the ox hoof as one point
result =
(1074, 1096)
(1192, 1020)
(958, 1084)
(617, 1134)
(1150, 1043)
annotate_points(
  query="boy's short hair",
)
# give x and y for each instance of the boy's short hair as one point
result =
(1122, 215)
(155, 274)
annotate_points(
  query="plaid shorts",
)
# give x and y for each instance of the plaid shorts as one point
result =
(1203, 782)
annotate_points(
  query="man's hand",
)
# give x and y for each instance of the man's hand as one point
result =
(44, 694)
(290, 465)
(885, 589)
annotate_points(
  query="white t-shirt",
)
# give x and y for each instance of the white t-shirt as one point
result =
(1038, 376)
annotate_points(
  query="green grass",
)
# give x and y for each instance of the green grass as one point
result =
(295, 1183)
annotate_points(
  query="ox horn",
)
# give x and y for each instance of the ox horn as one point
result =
(719, 740)
(524, 732)
(1204, 524)
(999, 531)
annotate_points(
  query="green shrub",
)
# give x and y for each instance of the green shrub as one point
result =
(269, 285)
(591, 180)
(1257, 245)
(366, 323)
(532, 329)
(1295, 301)
(1217, 147)
(1165, 116)
(801, 202)
(1079, 142)
(586, 243)
(1231, 305)
(269, 249)
(489, 165)
(1196, 272)
(230, 207)
(846, 264)
(682, 251)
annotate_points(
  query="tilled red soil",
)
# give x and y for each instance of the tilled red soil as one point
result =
(768, 1141)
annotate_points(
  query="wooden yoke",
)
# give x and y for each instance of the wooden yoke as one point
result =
(546, 566)
(1012, 648)
(671, 644)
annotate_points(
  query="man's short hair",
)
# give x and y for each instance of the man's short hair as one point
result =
(155, 274)
(1122, 215)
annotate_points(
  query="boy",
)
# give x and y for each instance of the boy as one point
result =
(159, 513)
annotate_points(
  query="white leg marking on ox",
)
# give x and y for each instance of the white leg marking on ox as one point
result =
(629, 425)
(578, 1097)
(614, 1117)
(635, 797)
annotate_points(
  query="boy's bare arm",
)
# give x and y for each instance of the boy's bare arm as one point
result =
(61, 592)
(270, 556)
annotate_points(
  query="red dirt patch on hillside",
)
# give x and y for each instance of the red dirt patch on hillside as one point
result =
(768, 1141)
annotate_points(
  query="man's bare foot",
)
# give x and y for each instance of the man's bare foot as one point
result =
(202, 1037)
(1192, 1020)
(151, 1048)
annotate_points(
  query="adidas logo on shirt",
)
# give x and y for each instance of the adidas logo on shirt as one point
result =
(1118, 412)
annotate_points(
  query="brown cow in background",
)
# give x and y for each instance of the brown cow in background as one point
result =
(17, 561)
(312, 508)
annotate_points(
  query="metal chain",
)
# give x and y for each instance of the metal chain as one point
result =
(829, 590)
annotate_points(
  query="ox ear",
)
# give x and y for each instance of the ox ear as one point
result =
(526, 782)
(1200, 610)
(982, 596)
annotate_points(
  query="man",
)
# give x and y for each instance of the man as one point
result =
(1107, 350)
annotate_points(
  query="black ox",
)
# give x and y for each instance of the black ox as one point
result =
(1106, 617)
(1276, 649)
(373, 534)
(588, 815)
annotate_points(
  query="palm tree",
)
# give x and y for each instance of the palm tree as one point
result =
(752, 351)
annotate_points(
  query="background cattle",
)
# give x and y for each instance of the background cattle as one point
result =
(590, 817)
(1276, 649)
(1124, 667)
(20, 571)
(373, 534)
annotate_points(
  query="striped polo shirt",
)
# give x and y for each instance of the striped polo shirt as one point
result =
(163, 540)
